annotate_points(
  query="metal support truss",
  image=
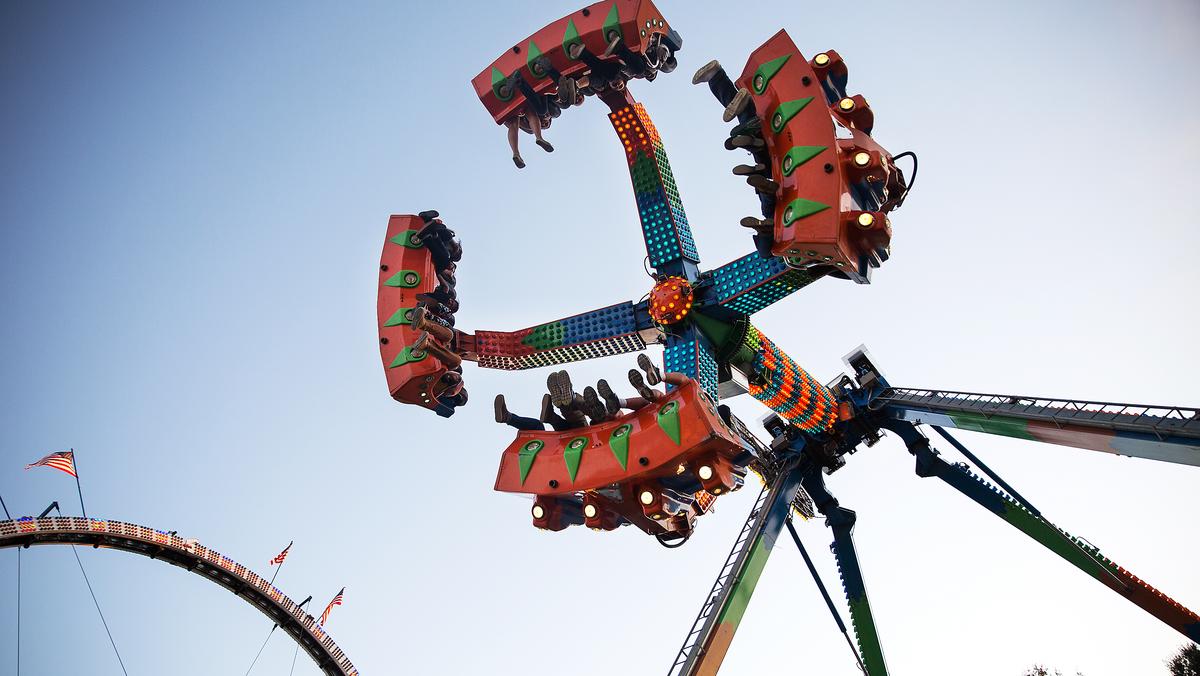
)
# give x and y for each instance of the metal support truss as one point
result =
(825, 594)
(1074, 549)
(1167, 433)
(706, 644)
(841, 521)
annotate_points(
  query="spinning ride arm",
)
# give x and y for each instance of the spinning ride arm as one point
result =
(615, 329)
(670, 247)
(752, 283)
(1074, 549)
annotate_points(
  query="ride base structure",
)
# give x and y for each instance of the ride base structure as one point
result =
(826, 190)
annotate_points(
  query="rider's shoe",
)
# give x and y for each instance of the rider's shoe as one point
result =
(653, 375)
(749, 169)
(502, 413)
(762, 184)
(757, 223)
(561, 392)
(744, 141)
(739, 103)
(648, 393)
(593, 407)
(611, 400)
(706, 72)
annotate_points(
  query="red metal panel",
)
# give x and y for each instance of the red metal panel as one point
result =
(409, 382)
(823, 226)
(701, 432)
(821, 232)
(589, 22)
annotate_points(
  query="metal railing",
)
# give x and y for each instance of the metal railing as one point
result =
(1161, 421)
(188, 553)
(690, 652)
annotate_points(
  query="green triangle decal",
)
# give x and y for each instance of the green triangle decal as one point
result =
(668, 420)
(407, 238)
(526, 456)
(619, 444)
(573, 454)
(801, 208)
(798, 155)
(405, 278)
(533, 55)
(765, 72)
(401, 316)
(570, 37)
(786, 111)
(612, 23)
(498, 79)
(405, 356)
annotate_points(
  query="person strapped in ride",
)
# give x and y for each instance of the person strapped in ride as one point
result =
(532, 118)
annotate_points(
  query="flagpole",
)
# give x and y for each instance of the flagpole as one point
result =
(277, 569)
(280, 566)
(9, 517)
(75, 461)
(297, 651)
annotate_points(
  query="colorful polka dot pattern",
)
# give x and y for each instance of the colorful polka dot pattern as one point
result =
(664, 224)
(682, 356)
(789, 390)
(670, 300)
(752, 282)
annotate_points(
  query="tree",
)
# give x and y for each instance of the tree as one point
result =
(1186, 662)
(1042, 670)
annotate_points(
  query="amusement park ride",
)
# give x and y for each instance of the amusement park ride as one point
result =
(826, 189)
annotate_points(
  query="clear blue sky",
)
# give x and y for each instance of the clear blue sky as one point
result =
(192, 204)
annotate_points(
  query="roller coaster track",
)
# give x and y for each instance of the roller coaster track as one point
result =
(191, 555)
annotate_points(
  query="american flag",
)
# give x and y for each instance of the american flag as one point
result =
(63, 461)
(337, 601)
(278, 560)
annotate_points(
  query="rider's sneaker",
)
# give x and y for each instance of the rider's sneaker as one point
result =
(611, 400)
(561, 393)
(757, 223)
(749, 169)
(501, 409)
(753, 126)
(593, 407)
(647, 393)
(653, 375)
(706, 72)
(762, 184)
(546, 412)
(737, 105)
(744, 141)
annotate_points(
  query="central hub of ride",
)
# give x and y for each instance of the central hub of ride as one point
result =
(670, 300)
